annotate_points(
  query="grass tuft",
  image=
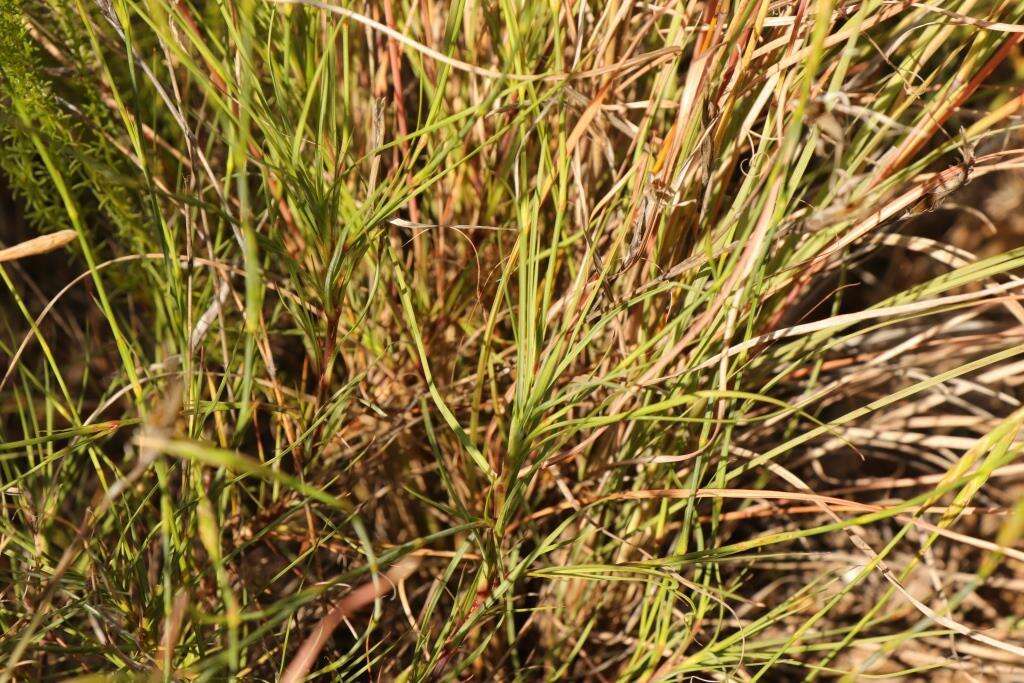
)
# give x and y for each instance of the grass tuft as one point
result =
(511, 340)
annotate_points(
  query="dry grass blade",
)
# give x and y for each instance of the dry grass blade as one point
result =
(359, 599)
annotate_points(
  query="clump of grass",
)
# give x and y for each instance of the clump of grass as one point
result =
(504, 340)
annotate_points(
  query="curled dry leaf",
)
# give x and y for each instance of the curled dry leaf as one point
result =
(37, 245)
